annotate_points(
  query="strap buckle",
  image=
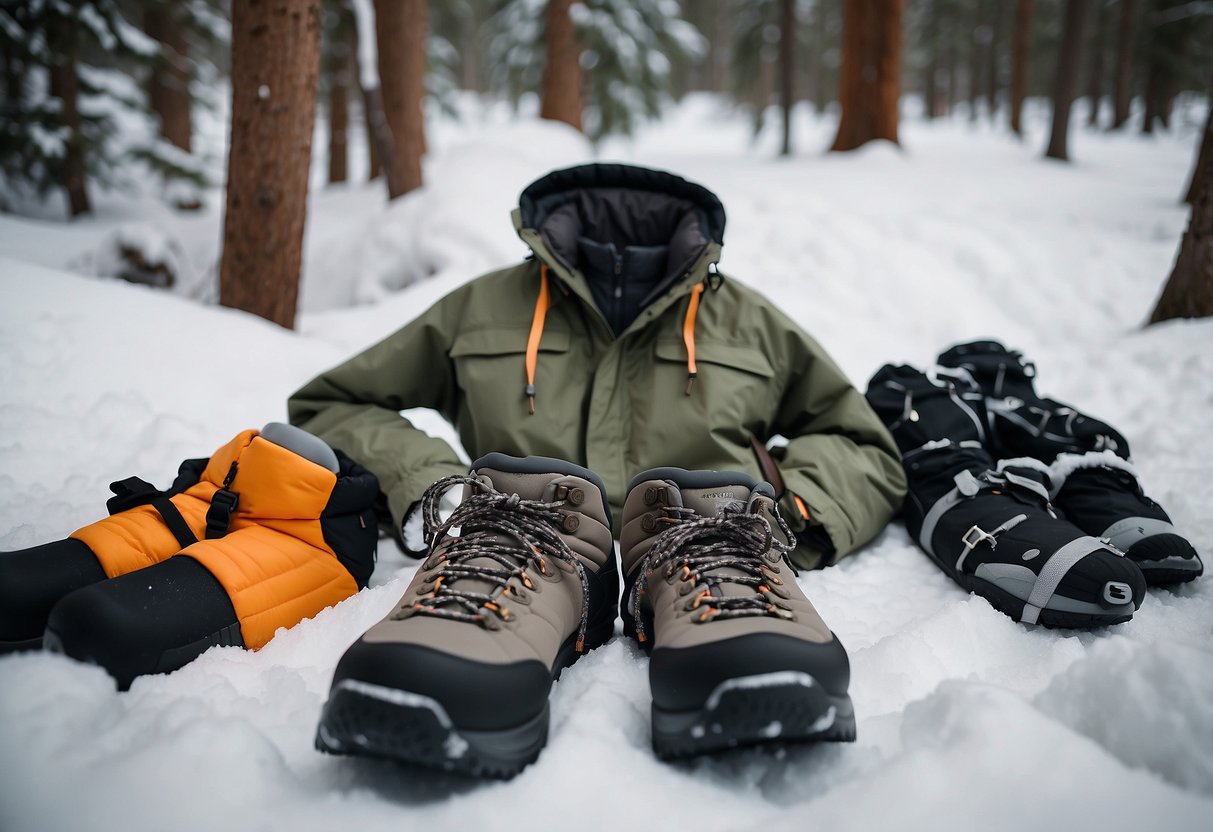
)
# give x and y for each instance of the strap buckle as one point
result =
(219, 515)
(975, 536)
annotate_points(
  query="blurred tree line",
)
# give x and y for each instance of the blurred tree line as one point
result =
(76, 71)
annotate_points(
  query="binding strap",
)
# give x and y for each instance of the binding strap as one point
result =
(134, 491)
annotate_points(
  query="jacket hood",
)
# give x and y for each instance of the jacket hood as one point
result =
(581, 211)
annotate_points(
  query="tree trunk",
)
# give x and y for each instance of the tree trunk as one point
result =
(65, 85)
(375, 125)
(820, 33)
(952, 62)
(1067, 79)
(976, 44)
(1122, 92)
(870, 83)
(1189, 290)
(992, 53)
(1095, 67)
(169, 85)
(1202, 156)
(930, 75)
(787, 70)
(562, 70)
(275, 68)
(400, 32)
(339, 105)
(1020, 52)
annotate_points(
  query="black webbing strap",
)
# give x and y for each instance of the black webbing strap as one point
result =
(175, 522)
(131, 492)
(223, 506)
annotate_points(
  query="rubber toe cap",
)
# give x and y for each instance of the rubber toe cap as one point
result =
(477, 696)
(1106, 579)
(683, 678)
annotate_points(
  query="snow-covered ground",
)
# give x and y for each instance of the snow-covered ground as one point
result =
(966, 719)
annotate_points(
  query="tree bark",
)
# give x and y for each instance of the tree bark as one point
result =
(169, 84)
(1202, 156)
(339, 105)
(1020, 53)
(1095, 67)
(1189, 290)
(870, 82)
(400, 33)
(1066, 80)
(275, 68)
(787, 70)
(562, 70)
(1123, 90)
(65, 85)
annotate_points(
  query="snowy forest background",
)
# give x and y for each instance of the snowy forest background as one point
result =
(1028, 170)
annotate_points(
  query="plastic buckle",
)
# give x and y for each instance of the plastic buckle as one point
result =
(219, 515)
(974, 537)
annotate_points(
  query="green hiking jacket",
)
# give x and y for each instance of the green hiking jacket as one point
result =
(617, 403)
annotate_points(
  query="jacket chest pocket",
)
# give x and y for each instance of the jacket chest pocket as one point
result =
(490, 366)
(734, 387)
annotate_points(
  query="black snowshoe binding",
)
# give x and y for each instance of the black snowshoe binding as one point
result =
(990, 526)
(1096, 488)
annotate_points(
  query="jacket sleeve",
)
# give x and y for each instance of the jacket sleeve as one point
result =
(840, 460)
(356, 407)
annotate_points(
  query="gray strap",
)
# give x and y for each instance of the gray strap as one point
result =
(975, 536)
(1055, 568)
(1028, 483)
(1124, 533)
(967, 485)
(941, 507)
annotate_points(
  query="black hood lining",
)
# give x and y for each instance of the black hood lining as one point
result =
(623, 206)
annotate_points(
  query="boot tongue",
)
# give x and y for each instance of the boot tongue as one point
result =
(711, 502)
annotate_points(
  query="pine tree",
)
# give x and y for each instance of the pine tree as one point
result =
(628, 52)
(62, 140)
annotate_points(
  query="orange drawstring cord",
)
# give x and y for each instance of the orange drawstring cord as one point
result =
(688, 335)
(532, 343)
(804, 510)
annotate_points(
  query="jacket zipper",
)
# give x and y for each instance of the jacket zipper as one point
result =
(617, 307)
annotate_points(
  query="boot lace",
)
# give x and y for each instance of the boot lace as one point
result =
(697, 546)
(518, 534)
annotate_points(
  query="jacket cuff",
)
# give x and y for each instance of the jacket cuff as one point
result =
(824, 537)
(407, 494)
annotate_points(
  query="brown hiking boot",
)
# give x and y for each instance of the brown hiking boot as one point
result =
(739, 655)
(520, 581)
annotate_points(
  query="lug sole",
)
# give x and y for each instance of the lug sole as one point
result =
(371, 721)
(774, 709)
(362, 719)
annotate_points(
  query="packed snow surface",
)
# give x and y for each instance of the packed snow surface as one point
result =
(966, 719)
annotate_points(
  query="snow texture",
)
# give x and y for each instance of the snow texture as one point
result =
(966, 719)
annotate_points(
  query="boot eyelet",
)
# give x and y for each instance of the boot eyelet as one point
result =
(571, 523)
(648, 523)
(576, 496)
(650, 496)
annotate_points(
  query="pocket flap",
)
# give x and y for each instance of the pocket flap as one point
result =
(737, 356)
(505, 342)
